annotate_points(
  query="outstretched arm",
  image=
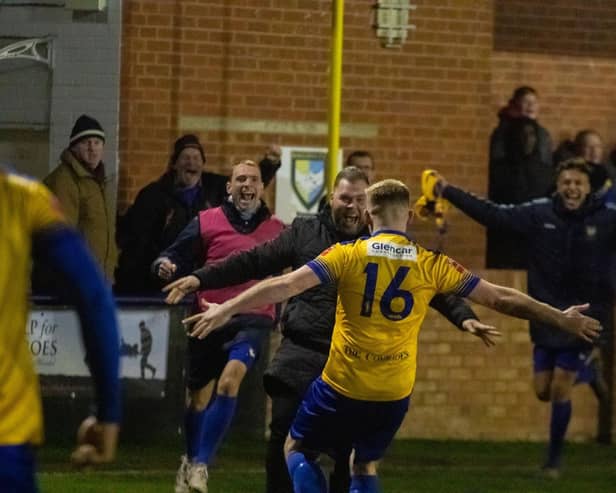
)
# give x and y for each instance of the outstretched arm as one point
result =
(517, 304)
(508, 217)
(179, 258)
(518, 218)
(455, 309)
(84, 285)
(273, 290)
(264, 260)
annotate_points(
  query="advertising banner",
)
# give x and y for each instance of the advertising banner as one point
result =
(54, 338)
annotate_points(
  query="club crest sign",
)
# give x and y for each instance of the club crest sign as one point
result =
(301, 181)
(308, 177)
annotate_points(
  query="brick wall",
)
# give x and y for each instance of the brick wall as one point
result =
(433, 103)
(267, 60)
(467, 391)
(567, 51)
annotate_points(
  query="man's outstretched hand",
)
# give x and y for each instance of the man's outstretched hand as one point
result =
(579, 324)
(178, 289)
(486, 333)
(432, 184)
(211, 318)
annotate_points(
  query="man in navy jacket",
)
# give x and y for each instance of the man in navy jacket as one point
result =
(570, 239)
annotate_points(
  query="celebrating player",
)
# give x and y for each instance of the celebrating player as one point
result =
(385, 282)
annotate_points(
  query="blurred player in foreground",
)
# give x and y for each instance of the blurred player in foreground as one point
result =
(385, 282)
(33, 227)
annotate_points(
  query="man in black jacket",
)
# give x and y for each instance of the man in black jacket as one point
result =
(308, 319)
(161, 211)
(570, 239)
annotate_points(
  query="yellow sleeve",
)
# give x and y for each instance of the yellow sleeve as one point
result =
(329, 265)
(451, 277)
(43, 208)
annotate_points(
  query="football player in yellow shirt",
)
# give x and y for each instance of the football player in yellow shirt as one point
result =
(32, 226)
(385, 282)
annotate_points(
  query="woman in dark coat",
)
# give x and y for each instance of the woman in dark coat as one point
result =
(520, 170)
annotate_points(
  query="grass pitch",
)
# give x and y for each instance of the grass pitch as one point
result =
(410, 466)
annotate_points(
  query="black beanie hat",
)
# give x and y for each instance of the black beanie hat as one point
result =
(190, 141)
(85, 127)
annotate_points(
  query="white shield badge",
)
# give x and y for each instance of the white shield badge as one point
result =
(308, 177)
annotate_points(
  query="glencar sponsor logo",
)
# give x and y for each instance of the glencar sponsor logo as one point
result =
(392, 250)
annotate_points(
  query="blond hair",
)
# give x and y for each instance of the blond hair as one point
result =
(245, 162)
(388, 198)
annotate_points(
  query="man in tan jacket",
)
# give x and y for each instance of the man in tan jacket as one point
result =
(85, 192)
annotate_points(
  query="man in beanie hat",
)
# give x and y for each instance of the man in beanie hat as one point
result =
(161, 210)
(84, 191)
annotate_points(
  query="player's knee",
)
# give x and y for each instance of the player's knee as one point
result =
(290, 445)
(228, 385)
(543, 389)
(560, 393)
(562, 385)
(198, 399)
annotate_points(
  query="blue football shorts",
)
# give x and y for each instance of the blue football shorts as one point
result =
(546, 359)
(17, 469)
(328, 422)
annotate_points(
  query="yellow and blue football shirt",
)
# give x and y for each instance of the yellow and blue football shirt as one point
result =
(385, 283)
(26, 207)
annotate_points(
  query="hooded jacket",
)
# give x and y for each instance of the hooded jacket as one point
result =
(87, 202)
(569, 254)
(517, 174)
(153, 223)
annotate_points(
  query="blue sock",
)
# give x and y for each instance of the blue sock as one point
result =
(218, 417)
(364, 484)
(561, 415)
(193, 428)
(306, 475)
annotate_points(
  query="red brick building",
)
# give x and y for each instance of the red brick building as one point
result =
(237, 72)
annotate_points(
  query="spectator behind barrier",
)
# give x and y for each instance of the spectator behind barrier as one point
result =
(588, 145)
(520, 170)
(85, 191)
(161, 210)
